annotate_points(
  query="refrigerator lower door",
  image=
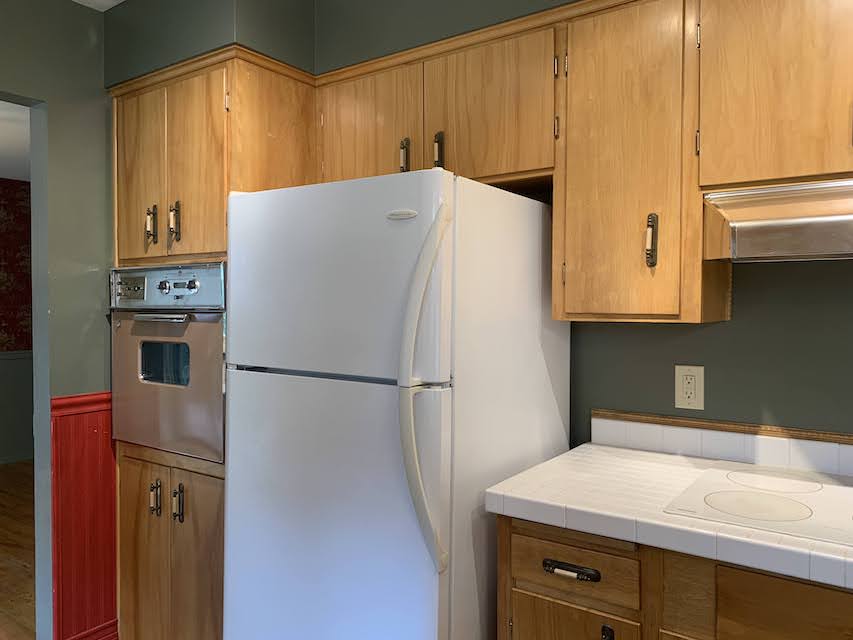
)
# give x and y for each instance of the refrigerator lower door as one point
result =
(321, 539)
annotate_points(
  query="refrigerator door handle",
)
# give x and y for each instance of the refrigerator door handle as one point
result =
(412, 463)
(417, 293)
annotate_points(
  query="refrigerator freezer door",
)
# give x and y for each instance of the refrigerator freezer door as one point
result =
(319, 276)
(321, 539)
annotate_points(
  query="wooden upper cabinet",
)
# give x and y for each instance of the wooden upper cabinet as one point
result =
(140, 129)
(776, 91)
(363, 123)
(190, 135)
(494, 104)
(198, 557)
(624, 161)
(196, 163)
(273, 144)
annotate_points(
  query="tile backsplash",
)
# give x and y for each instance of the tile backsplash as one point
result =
(771, 451)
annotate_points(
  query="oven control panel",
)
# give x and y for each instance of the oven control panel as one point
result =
(199, 286)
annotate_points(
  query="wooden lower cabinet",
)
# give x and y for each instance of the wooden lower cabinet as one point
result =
(681, 597)
(539, 618)
(171, 514)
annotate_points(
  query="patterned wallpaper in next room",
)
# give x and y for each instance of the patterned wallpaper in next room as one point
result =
(15, 279)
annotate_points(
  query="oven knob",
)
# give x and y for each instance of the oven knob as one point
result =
(193, 285)
(164, 286)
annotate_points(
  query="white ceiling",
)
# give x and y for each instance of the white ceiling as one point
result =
(100, 5)
(14, 141)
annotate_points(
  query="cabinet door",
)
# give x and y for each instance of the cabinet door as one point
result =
(143, 551)
(363, 123)
(495, 106)
(776, 92)
(198, 555)
(140, 130)
(624, 160)
(539, 618)
(195, 160)
(759, 607)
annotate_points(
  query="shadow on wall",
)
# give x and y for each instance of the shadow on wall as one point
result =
(783, 359)
(16, 363)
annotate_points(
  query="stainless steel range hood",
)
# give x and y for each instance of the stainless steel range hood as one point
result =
(812, 221)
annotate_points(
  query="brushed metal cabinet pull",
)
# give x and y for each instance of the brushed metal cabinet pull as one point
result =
(151, 225)
(405, 151)
(652, 224)
(178, 503)
(175, 221)
(155, 504)
(438, 149)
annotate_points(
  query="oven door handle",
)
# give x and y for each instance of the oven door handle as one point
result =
(174, 318)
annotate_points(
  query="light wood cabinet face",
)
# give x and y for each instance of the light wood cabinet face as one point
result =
(196, 161)
(141, 173)
(760, 607)
(197, 562)
(540, 618)
(363, 122)
(624, 160)
(144, 584)
(495, 105)
(776, 98)
(272, 142)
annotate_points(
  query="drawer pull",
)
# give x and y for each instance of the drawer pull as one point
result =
(573, 571)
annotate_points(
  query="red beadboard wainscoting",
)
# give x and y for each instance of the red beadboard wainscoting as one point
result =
(84, 518)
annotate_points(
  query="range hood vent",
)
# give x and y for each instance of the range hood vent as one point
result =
(812, 221)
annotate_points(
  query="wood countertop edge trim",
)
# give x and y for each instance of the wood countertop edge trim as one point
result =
(773, 431)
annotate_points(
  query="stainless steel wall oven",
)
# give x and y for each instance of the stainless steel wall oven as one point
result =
(168, 330)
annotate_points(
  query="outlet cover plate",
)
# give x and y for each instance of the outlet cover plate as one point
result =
(690, 387)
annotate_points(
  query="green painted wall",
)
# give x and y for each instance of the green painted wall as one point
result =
(783, 359)
(348, 32)
(16, 405)
(52, 52)
(281, 29)
(145, 35)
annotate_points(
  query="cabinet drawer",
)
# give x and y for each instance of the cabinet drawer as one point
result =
(537, 618)
(620, 577)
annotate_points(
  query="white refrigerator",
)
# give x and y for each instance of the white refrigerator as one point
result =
(391, 354)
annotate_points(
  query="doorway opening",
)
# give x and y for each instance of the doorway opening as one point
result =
(17, 529)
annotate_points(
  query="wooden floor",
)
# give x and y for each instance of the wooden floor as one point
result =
(17, 552)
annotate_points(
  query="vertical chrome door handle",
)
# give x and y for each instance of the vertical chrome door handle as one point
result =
(652, 224)
(405, 152)
(155, 504)
(438, 149)
(178, 503)
(151, 224)
(175, 221)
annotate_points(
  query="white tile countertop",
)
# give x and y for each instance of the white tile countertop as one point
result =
(622, 493)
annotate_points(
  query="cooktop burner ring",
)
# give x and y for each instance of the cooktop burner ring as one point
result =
(760, 506)
(781, 483)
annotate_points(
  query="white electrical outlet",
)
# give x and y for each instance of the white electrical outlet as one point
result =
(689, 387)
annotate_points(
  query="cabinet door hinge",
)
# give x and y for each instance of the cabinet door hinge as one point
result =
(556, 127)
(510, 627)
(227, 101)
(556, 66)
(322, 119)
(566, 63)
(563, 271)
(698, 36)
(698, 140)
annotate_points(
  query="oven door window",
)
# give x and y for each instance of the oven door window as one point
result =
(165, 363)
